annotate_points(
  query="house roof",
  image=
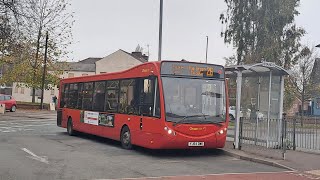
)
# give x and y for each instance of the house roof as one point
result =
(138, 56)
(90, 60)
(76, 66)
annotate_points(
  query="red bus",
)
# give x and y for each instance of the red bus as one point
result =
(157, 105)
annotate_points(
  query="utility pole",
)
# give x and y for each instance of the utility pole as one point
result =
(160, 30)
(207, 49)
(44, 70)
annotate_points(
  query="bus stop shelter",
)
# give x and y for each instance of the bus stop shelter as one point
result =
(258, 90)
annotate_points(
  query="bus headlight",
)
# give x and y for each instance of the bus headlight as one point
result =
(221, 131)
(169, 131)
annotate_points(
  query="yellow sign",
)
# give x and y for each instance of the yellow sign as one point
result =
(197, 128)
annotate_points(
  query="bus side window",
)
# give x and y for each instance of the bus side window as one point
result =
(73, 95)
(80, 96)
(64, 98)
(87, 96)
(112, 96)
(99, 96)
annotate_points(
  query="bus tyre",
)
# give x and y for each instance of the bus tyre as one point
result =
(125, 138)
(70, 130)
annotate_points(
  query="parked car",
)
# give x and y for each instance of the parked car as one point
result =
(9, 102)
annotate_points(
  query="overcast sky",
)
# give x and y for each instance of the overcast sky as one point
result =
(104, 26)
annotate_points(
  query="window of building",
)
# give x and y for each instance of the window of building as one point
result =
(99, 96)
(87, 96)
(70, 75)
(37, 92)
(318, 103)
(112, 99)
(22, 90)
(16, 89)
(52, 91)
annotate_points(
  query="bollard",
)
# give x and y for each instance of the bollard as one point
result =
(240, 133)
(284, 136)
(2, 108)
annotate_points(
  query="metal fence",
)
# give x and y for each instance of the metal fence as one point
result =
(291, 132)
(303, 133)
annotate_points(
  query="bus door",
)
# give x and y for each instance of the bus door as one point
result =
(149, 107)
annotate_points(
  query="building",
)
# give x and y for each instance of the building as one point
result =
(117, 61)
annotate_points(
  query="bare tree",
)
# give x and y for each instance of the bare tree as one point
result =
(50, 16)
(302, 76)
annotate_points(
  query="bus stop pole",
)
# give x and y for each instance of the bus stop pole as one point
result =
(269, 108)
(281, 107)
(238, 103)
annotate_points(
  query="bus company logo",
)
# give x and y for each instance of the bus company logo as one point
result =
(197, 128)
(145, 70)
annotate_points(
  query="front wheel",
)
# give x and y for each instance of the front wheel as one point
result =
(126, 138)
(13, 108)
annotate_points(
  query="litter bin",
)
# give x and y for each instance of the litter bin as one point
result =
(2, 108)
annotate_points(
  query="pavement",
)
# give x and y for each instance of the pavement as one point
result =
(298, 161)
(33, 147)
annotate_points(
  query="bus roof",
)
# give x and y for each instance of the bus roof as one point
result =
(154, 66)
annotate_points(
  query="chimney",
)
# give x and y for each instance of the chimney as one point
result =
(140, 56)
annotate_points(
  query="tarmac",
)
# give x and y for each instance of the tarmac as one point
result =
(306, 163)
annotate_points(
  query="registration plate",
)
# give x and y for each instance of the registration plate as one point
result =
(196, 144)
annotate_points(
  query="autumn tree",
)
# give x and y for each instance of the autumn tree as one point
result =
(264, 30)
(40, 16)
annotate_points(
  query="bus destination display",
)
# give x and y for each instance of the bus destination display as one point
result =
(192, 69)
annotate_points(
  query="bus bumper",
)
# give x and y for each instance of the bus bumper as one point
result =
(182, 142)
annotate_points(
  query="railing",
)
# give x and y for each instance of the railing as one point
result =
(304, 133)
(291, 132)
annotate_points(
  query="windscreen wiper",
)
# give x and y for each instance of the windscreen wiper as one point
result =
(212, 122)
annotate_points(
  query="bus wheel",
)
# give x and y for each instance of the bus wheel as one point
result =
(126, 138)
(70, 130)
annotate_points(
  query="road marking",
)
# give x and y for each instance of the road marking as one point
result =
(17, 121)
(185, 176)
(23, 126)
(43, 159)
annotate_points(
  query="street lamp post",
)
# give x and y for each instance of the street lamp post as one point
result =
(160, 30)
(44, 70)
(207, 49)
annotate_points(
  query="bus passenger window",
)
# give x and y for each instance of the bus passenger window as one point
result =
(127, 101)
(112, 99)
(99, 96)
(87, 96)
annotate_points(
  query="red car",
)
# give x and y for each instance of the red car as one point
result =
(9, 101)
